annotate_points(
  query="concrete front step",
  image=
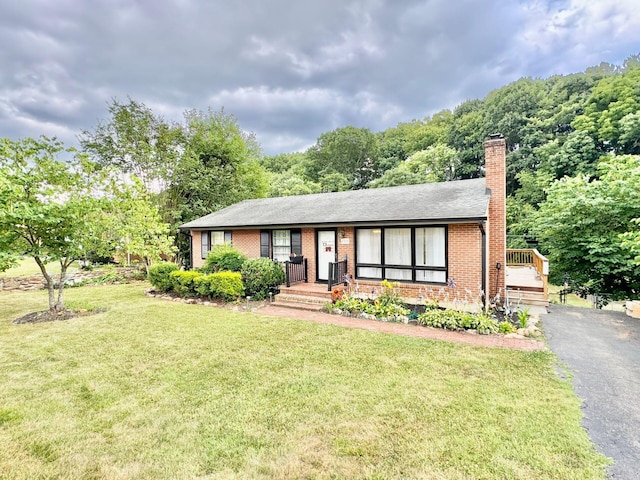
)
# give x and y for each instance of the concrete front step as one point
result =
(316, 293)
(295, 298)
(311, 307)
(528, 298)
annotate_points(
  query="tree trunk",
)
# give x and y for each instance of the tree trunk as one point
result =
(63, 277)
(50, 286)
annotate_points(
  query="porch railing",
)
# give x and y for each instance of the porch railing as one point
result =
(337, 273)
(526, 256)
(295, 272)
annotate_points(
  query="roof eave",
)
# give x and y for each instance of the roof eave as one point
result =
(421, 221)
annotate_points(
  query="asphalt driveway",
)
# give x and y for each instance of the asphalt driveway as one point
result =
(602, 351)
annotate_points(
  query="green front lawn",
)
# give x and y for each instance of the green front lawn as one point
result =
(157, 389)
(28, 266)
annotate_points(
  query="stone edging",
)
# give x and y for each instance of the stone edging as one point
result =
(37, 282)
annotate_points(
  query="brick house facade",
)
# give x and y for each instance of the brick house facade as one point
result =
(442, 240)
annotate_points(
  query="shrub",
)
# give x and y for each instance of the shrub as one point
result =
(222, 258)
(227, 286)
(387, 306)
(184, 283)
(506, 327)
(456, 320)
(486, 324)
(159, 275)
(260, 275)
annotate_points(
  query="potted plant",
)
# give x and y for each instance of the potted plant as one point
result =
(293, 258)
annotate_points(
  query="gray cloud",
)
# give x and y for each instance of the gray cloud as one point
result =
(288, 70)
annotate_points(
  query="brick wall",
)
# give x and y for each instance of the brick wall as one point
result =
(196, 250)
(495, 168)
(247, 241)
(347, 246)
(309, 251)
(465, 258)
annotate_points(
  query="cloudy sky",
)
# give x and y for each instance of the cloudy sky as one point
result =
(288, 70)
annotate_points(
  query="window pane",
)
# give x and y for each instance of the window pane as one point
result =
(204, 244)
(281, 238)
(431, 276)
(296, 242)
(217, 238)
(281, 245)
(369, 272)
(430, 247)
(265, 247)
(397, 246)
(397, 274)
(369, 246)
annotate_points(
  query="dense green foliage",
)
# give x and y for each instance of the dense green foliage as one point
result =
(223, 257)
(159, 275)
(261, 276)
(63, 210)
(166, 277)
(587, 226)
(226, 286)
(202, 165)
(456, 320)
(184, 282)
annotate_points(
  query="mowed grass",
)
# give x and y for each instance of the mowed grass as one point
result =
(574, 300)
(28, 266)
(153, 389)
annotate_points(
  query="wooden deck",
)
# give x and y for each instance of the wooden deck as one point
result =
(526, 287)
(524, 278)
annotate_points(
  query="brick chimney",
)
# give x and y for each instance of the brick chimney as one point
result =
(495, 173)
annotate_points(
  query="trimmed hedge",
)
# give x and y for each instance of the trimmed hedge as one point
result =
(184, 283)
(227, 286)
(159, 275)
(260, 275)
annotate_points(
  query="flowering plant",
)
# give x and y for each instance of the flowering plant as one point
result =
(336, 294)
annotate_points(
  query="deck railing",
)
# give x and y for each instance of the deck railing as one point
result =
(337, 273)
(295, 272)
(527, 256)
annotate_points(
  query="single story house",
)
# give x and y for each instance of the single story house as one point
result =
(435, 238)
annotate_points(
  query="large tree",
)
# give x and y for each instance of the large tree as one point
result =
(46, 207)
(587, 227)
(219, 166)
(438, 163)
(55, 210)
(135, 141)
(129, 224)
(349, 151)
(612, 100)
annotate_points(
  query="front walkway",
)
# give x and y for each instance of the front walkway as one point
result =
(498, 341)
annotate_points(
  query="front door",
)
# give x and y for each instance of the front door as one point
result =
(326, 246)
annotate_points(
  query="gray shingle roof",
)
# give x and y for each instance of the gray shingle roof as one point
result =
(428, 202)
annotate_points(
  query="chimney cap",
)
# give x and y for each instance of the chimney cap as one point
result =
(496, 136)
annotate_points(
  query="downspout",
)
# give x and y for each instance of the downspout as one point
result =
(483, 247)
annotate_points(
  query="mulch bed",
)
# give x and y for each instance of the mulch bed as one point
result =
(49, 316)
